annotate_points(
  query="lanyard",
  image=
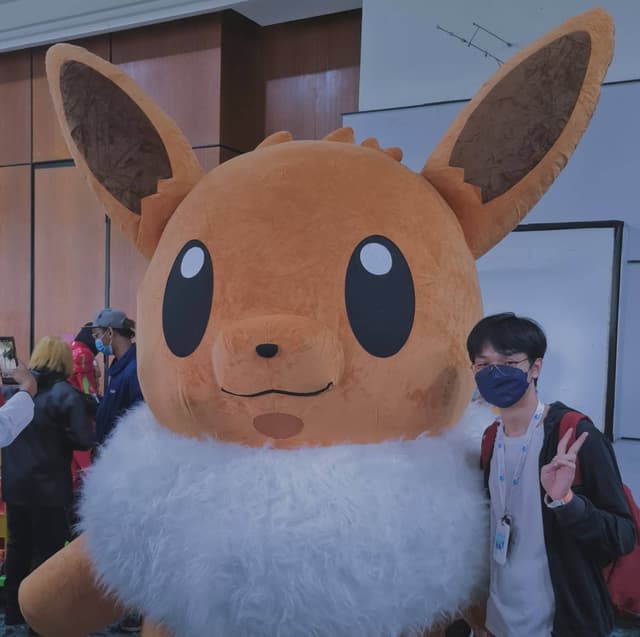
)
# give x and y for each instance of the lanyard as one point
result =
(524, 450)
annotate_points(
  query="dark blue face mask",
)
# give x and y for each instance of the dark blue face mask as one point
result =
(502, 385)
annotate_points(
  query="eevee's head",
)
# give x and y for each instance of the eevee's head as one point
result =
(318, 292)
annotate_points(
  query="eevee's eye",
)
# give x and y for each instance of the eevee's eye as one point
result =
(188, 296)
(379, 296)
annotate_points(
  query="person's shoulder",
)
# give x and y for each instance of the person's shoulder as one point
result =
(583, 424)
(131, 366)
(64, 388)
(559, 413)
(556, 412)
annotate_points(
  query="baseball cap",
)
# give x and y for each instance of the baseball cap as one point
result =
(109, 318)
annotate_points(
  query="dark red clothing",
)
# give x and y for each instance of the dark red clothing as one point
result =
(83, 378)
(84, 372)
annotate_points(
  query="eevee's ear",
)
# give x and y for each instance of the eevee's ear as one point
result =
(507, 146)
(134, 156)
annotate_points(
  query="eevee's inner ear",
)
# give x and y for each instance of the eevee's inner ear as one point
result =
(507, 146)
(120, 145)
(134, 157)
(523, 116)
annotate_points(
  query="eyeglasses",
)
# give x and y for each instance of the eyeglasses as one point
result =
(477, 367)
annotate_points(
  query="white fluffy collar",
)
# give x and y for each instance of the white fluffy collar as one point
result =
(217, 539)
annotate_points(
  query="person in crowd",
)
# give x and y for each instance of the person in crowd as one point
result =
(549, 542)
(36, 473)
(85, 370)
(113, 335)
(85, 378)
(17, 412)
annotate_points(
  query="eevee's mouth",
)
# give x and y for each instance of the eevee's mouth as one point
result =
(278, 425)
(283, 392)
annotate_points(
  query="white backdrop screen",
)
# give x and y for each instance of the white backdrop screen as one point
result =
(562, 278)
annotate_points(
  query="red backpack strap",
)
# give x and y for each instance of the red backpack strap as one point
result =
(1, 399)
(570, 420)
(488, 441)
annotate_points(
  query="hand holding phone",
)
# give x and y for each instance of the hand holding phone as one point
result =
(25, 379)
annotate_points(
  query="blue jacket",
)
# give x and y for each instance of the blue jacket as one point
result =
(123, 391)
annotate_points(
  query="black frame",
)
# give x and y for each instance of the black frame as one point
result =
(612, 357)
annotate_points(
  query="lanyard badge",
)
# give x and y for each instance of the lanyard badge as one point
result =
(501, 543)
(504, 526)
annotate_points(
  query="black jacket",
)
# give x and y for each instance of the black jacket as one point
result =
(582, 537)
(36, 466)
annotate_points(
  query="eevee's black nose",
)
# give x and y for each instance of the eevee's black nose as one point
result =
(267, 350)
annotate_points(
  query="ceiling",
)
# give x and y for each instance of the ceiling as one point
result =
(27, 23)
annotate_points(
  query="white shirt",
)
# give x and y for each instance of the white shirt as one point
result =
(521, 601)
(15, 415)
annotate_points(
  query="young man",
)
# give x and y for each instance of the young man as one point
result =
(113, 334)
(549, 541)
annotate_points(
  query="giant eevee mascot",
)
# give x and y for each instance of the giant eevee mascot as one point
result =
(302, 466)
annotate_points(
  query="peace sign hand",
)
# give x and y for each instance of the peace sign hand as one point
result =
(557, 476)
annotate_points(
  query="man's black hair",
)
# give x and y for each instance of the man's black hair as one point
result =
(507, 334)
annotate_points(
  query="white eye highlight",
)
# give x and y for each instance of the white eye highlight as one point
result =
(376, 259)
(192, 262)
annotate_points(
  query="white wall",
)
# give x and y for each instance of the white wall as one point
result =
(600, 181)
(540, 273)
(406, 60)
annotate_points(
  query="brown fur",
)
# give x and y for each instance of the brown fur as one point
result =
(281, 224)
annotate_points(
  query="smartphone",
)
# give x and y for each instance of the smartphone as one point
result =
(8, 359)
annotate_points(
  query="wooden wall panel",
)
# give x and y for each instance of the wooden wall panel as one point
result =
(242, 86)
(48, 143)
(178, 65)
(225, 81)
(15, 255)
(15, 97)
(311, 73)
(127, 269)
(227, 153)
(69, 252)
